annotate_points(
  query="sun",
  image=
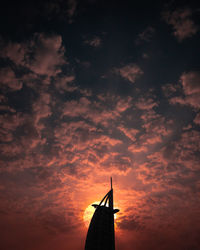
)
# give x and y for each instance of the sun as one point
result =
(88, 213)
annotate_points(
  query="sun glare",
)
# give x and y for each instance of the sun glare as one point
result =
(88, 213)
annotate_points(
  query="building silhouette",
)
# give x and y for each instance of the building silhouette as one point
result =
(101, 234)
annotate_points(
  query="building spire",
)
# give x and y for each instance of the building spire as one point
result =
(101, 233)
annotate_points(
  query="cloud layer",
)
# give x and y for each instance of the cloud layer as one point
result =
(79, 102)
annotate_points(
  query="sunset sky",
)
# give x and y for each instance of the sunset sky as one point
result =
(91, 89)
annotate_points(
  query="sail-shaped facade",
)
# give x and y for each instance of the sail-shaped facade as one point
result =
(101, 234)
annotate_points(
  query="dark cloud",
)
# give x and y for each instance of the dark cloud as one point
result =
(130, 224)
(130, 72)
(55, 223)
(181, 22)
(8, 79)
(42, 55)
(146, 35)
(94, 42)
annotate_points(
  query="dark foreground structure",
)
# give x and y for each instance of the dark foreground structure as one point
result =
(101, 234)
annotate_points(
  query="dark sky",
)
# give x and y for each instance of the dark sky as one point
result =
(91, 89)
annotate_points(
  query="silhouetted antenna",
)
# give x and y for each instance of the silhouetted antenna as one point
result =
(111, 182)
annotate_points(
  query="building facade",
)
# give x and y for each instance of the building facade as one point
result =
(101, 233)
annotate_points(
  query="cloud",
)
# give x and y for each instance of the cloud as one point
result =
(191, 82)
(41, 108)
(94, 42)
(145, 56)
(72, 5)
(146, 35)
(129, 132)
(123, 104)
(43, 55)
(146, 103)
(70, 144)
(197, 119)
(191, 88)
(21, 133)
(130, 72)
(60, 141)
(135, 148)
(82, 143)
(99, 111)
(116, 162)
(152, 132)
(172, 166)
(58, 10)
(9, 122)
(76, 108)
(169, 89)
(8, 79)
(47, 55)
(130, 224)
(166, 237)
(55, 222)
(6, 108)
(181, 22)
(65, 83)
(14, 51)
